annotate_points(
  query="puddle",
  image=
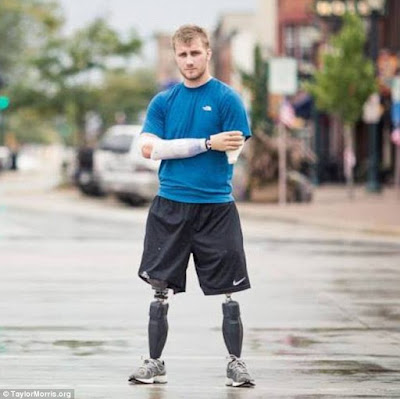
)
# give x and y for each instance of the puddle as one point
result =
(73, 344)
(89, 348)
(355, 252)
(383, 313)
(74, 347)
(298, 342)
(368, 246)
(345, 368)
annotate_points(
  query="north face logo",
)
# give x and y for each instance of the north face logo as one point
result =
(207, 108)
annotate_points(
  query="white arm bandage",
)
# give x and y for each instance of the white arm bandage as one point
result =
(173, 149)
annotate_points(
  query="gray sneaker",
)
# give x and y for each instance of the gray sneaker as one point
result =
(151, 372)
(237, 374)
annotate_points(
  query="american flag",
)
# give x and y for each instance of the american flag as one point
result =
(396, 136)
(286, 114)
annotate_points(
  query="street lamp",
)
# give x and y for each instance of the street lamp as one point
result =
(376, 10)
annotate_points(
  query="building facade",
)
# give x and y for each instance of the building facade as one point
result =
(167, 72)
(297, 32)
(233, 42)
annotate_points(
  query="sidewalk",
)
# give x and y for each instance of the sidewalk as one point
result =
(331, 208)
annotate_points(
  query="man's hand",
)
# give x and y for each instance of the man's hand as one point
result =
(227, 141)
(146, 144)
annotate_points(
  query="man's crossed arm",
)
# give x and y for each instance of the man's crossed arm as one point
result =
(155, 148)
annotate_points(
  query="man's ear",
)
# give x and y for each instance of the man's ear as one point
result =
(209, 54)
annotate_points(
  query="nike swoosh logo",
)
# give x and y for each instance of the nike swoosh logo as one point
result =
(235, 283)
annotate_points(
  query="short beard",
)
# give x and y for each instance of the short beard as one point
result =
(195, 77)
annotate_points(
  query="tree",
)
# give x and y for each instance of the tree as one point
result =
(344, 83)
(24, 26)
(257, 84)
(65, 74)
(27, 124)
(74, 67)
(125, 92)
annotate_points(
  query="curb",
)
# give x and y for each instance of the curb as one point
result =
(274, 215)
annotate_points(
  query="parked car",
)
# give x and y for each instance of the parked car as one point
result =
(85, 177)
(120, 168)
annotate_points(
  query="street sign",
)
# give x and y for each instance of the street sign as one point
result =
(4, 102)
(283, 76)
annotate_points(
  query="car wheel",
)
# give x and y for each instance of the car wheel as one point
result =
(132, 200)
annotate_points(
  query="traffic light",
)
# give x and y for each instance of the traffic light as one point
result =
(4, 102)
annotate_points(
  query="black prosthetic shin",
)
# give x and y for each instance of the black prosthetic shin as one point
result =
(232, 327)
(158, 323)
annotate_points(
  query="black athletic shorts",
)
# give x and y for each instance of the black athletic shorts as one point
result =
(211, 232)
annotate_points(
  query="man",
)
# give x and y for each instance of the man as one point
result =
(190, 127)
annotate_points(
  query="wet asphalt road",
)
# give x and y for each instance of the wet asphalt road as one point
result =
(322, 319)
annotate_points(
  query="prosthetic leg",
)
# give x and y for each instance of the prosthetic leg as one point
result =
(158, 323)
(153, 370)
(237, 374)
(232, 327)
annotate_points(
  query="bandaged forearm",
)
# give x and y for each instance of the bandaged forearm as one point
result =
(178, 148)
(175, 149)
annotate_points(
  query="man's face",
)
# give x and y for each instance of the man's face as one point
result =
(192, 59)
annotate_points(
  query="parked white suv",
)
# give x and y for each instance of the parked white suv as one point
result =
(120, 167)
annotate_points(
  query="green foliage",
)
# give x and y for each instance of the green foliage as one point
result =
(52, 77)
(69, 65)
(257, 84)
(29, 126)
(64, 59)
(347, 78)
(125, 92)
(24, 25)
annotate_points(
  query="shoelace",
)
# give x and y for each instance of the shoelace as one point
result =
(238, 365)
(152, 364)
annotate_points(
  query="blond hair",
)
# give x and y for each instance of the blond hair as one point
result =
(186, 33)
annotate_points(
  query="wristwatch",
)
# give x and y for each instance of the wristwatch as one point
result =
(208, 144)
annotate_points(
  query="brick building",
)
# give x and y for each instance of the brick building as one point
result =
(233, 42)
(390, 27)
(297, 32)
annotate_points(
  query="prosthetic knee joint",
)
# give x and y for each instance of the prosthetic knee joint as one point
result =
(158, 323)
(232, 327)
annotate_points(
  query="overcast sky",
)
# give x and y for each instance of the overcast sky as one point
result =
(148, 16)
